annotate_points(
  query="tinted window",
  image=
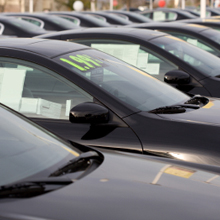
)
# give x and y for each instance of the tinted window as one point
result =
(27, 150)
(36, 91)
(134, 54)
(126, 83)
(201, 60)
(196, 42)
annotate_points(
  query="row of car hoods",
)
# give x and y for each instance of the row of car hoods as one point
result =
(89, 128)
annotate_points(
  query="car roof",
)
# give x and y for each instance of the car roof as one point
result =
(27, 14)
(143, 34)
(199, 20)
(43, 47)
(175, 26)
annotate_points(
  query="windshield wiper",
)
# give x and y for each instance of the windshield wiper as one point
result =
(77, 164)
(173, 109)
(197, 100)
(32, 188)
(168, 110)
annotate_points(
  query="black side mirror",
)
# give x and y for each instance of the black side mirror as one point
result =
(89, 112)
(177, 77)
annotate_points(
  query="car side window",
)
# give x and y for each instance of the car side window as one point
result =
(196, 42)
(36, 91)
(162, 16)
(134, 54)
(37, 22)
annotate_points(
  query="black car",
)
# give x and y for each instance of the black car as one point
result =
(113, 19)
(132, 16)
(167, 14)
(82, 19)
(42, 177)
(13, 27)
(165, 57)
(90, 97)
(208, 22)
(198, 35)
(42, 20)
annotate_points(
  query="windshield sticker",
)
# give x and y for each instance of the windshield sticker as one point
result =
(179, 171)
(83, 62)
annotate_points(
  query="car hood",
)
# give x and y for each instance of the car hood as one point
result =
(208, 114)
(128, 186)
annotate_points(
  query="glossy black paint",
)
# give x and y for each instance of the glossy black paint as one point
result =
(48, 23)
(133, 16)
(127, 186)
(110, 18)
(16, 31)
(85, 21)
(191, 136)
(87, 112)
(196, 31)
(177, 77)
(208, 22)
(199, 83)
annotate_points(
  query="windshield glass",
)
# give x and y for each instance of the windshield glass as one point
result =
(201, 60)
(25, 25)
(27, 150)
(212, 34)
(123, 81)
(62, 22)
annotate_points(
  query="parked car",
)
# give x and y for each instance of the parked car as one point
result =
(113, 19)
(208, 22)
(43, 177)
(13, 27)
(132, 16)
(182, 65)
(198, 35)
(90, 97)
(42, 20)
(82, 20)
(167, 14)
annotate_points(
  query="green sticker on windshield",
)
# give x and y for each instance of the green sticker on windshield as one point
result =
(83, 62)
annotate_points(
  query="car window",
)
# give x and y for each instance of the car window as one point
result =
(162, 16)
(37, 22)
(134, 54)
(196, 42)
(70, 18)
(123, 81)
(23, 25)
(201, 60)
(2, 27)
(36, 91)
(27, 150)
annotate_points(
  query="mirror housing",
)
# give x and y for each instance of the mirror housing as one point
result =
(89, 112)
(177, 77)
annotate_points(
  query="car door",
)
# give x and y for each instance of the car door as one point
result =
(47, 98)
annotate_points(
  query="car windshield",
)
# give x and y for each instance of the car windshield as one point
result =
(125, 82)
(212, 34)
(25, 25)
(199, 59)
(62, 22)
(27, 150)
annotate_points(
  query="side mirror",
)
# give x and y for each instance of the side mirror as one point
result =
(89, 112)
(177, 77)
